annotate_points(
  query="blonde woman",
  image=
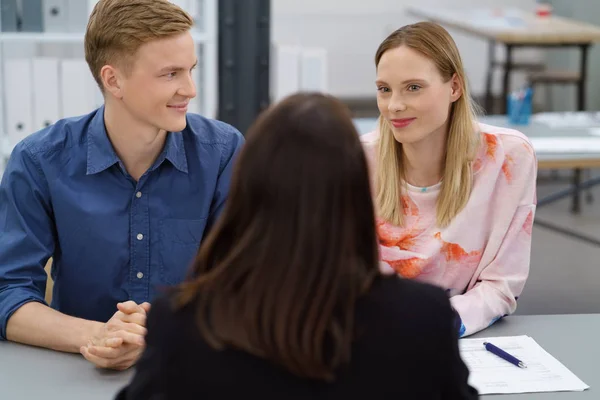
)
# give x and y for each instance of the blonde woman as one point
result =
(455, 199)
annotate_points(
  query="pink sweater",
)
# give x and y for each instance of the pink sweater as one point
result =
(482, 257)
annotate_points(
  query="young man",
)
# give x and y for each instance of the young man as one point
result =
(119, 198)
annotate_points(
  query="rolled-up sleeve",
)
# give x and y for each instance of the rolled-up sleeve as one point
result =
(26, 233)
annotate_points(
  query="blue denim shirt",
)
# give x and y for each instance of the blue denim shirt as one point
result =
(65, 194)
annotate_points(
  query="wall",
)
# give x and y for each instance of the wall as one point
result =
(351, 30)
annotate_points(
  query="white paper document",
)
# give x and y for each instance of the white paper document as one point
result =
(490, 374)
(566, 144)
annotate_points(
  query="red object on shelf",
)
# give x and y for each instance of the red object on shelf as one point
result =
(543, 10)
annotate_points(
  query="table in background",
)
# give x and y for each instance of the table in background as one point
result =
(516, 28)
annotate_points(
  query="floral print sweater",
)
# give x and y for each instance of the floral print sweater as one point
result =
(482, 257)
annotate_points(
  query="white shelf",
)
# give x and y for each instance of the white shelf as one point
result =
(69, 37)
(41, 37)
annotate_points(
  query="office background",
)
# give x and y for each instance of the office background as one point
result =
(325, 45)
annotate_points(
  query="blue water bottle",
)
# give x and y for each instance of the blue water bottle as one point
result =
(519, 106)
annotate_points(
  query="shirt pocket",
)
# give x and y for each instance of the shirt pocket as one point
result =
(179, 242)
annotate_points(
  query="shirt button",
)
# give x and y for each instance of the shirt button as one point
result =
(140, 275)
(140, 236)
(138, 194)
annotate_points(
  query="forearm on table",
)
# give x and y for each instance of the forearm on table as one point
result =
(39, 325)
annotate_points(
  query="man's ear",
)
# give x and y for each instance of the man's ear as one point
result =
(112, 79)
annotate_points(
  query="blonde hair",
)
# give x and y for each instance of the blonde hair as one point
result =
(117, 28)
(434, 42)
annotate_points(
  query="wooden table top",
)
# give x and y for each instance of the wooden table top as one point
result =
(512, 25)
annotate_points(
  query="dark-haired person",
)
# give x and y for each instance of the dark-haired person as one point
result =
(285, 299)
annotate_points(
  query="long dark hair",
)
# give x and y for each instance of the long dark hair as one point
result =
(280, 273)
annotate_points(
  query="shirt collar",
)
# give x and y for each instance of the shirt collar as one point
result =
(101, 154)
(175, 151)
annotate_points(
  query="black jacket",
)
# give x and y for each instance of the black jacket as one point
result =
(408, 349)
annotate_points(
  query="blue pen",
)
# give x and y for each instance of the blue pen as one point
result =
(504, 355)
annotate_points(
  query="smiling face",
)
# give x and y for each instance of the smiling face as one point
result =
(158, 86)
(413, 96)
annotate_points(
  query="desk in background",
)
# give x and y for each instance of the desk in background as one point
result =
(33, 373)
(516, 28)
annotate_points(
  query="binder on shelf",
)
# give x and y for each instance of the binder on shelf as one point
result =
(8, 15)
(286, 67)
(55, 15)
(78, 90)
(18, 89)
(313, 64)
(45, 96)
(32, 16)
(77, 15)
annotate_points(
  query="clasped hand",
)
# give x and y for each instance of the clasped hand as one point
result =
(119, 343)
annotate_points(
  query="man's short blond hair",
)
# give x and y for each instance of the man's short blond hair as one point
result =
(117, 29)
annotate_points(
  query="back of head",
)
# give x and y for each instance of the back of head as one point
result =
(434, 42)
(295, 247)
(117, 28)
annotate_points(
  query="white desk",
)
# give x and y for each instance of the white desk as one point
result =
(32, 373)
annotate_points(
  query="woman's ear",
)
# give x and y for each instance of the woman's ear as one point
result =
(456, 86)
